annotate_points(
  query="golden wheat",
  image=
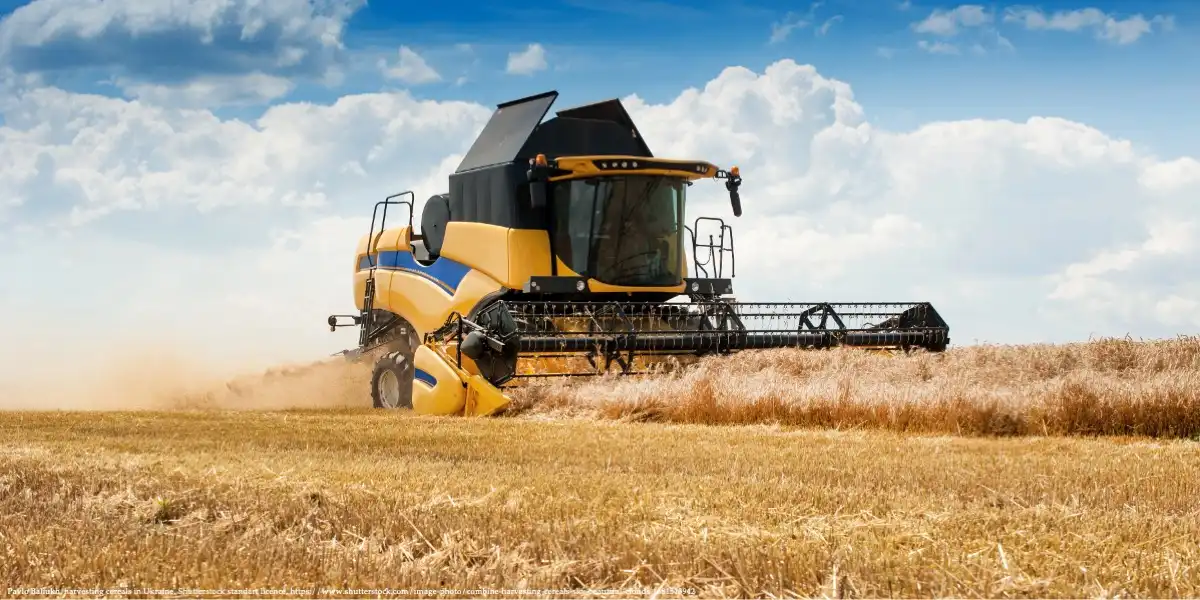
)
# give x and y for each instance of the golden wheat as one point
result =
(351, 498)
(362, 499)
(1104, 387)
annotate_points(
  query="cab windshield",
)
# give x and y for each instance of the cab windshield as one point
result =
(621, 230)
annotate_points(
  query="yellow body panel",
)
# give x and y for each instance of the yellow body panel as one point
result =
(426, 304)
(360, 287)
(512, 256)
(447, 395)
(484, 247)
(483, 399)
(393, 239)
(508, 256)
(453, 391)
(528, 255)
(532, 257)
(360, 274)
(386, 240)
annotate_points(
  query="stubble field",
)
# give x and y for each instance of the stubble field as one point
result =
(1056, 471)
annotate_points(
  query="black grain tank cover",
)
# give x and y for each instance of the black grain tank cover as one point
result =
(507, 131)
(565, 136)
(496, 195)
(490, 185)
(614, 112)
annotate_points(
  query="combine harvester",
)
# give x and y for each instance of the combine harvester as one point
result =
(560, 251)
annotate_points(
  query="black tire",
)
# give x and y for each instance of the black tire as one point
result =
(392, 377)
(392, 380)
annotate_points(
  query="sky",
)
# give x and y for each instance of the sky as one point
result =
(198, 172)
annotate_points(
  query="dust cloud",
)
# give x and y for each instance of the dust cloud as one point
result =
(164, 379)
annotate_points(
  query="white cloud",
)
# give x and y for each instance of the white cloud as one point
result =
(972, 20)
(211, 91)
(91, 156)
(169, 45)
(528, 61)
(1108, 283)
(1172, 176)
(235, 237)
(1001, 207)
(1105, 26)
(1003, 43)
(410, 68)
(825, 27)
(781, 30)
(949, 22)
(937, 47)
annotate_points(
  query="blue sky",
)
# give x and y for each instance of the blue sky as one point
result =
(1037, 161)
(658, 47)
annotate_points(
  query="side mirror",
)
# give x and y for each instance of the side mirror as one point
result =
(538, 176)
(735, 199)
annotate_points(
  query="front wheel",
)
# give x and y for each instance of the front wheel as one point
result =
(392, 381)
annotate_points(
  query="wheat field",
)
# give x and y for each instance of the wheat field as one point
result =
(1036, 471)
(1102, 387)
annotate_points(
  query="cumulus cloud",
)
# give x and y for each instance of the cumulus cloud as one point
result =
(982, 216)
(1105, 26)
(172, 44)
(528, 61)
(211, 90)
(220, 236)
(1108, 280)
(1172, 176)
(235, 237)
(410, 68)
(95, 155)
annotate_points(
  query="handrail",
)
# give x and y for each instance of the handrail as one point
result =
(372, 242)
(716, 249)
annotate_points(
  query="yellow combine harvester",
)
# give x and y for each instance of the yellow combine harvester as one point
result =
(561, 249)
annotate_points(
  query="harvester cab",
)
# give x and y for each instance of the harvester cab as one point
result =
(562, 249)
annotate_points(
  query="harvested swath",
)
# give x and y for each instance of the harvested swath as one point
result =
(325, 501)
(1102, 387)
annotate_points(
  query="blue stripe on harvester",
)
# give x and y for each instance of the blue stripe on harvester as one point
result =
(425, 377)
(444, 271)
